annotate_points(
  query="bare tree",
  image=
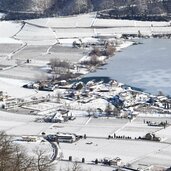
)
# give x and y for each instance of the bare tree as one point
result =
(108, 109)
(21, 162)
(116, 111)
(60, 68)
(76, 167)
(96, 51)
(110, 49)
(55, 62)
(14, 158)
(42, 161)
(160, 93)
(5, 151)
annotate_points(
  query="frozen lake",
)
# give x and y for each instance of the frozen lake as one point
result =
(146, 66)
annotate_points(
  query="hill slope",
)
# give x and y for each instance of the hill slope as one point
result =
(68, 7)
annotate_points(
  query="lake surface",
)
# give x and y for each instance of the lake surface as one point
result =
(146, 66)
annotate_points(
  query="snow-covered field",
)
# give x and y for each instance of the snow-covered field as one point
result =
(90, 126)
(21, 124)
(16, 124)
(84, 20)
(74, 32)
(8, 28)
(43, 107)
(165, 134)
(33, 148)
(32, 52)
(159, 157)
(36, 36)
(90, 20)
(8, 48)
(8, 40)
(127, 150)
(42, 30)
(127, 23)
(13, 88)
(43, 39)
(63, 165)
(136, 129)
(23, 73)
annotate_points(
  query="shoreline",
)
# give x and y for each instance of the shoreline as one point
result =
(125, 44)
(140, 82)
